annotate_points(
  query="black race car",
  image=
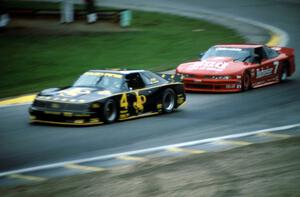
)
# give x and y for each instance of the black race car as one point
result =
(104, 96)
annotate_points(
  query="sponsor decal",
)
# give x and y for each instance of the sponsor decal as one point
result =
(227, 49)
(104, 92)
(197, 80)
(55, 105)
(209, 66)
(276, 48)
(263, 72)
(252, 72)
(104, 74)
(74, 92)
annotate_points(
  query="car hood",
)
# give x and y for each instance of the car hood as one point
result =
(74, 94)
(212, 66)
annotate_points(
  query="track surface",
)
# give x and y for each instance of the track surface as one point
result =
(204, 115)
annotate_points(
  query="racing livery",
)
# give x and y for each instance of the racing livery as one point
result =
(237, 67)
(103, 96)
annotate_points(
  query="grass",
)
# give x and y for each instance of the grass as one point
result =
(34, 62)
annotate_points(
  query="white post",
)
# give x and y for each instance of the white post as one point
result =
(4, 20)
(91, 12)
(67, 11)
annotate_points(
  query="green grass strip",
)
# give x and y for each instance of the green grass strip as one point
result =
(34, 62)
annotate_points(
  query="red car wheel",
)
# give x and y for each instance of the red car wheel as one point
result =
(246, 82)
(283, 74)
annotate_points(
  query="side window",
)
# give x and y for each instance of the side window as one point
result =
(134, 81)
(271, 53)
(260, 52)
(151, 78)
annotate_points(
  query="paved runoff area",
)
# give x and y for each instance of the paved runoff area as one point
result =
(263, 169)
(108, 162)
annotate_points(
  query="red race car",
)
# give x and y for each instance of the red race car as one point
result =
(237, 67)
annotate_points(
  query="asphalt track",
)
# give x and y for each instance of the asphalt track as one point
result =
(204, 115)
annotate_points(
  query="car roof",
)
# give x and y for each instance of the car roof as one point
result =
(240, 45)
(122, 72)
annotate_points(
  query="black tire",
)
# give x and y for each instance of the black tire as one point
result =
(246, 82)
(168, 101)
(284, 73)
(110, 111)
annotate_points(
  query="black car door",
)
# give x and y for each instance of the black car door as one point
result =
(139, 96)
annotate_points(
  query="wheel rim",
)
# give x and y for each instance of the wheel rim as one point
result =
(169, 102)
(110, 111)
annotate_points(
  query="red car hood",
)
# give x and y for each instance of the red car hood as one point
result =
(212, 66)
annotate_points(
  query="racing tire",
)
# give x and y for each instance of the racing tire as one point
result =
(168, 101)
(110, 111)
(246, 82)
(284, 74)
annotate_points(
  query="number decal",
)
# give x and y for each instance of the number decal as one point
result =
(276, 64)
(140, 101)
(124, 102)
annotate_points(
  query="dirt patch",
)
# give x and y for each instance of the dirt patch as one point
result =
(271, 169)
(52, 26)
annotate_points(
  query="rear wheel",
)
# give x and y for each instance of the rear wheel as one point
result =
(246, 82)
(283, 74)
(169, 100)
(110, 111)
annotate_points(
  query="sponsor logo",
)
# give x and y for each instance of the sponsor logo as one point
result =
(263, 72)
(209, 65)
(74, 92)
(228, 49)
(55, 105)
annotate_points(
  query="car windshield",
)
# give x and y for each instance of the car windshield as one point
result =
(237, 54)
(107, 81)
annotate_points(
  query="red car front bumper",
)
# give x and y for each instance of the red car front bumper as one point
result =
(212, 85)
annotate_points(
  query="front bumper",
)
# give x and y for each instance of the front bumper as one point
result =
(212, 85)
(63, 117)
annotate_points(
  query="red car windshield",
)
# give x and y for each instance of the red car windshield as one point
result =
(237, 54)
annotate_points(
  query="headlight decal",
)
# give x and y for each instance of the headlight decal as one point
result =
(224, 77)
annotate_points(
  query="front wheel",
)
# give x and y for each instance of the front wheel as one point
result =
(169, 100)
(246, 82)
(110, 111)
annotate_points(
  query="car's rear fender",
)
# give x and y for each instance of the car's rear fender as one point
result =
(290, 61)
(171, 77)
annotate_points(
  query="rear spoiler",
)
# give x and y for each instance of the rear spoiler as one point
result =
(171, 77)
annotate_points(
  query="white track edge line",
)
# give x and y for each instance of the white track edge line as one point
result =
(153, 149)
